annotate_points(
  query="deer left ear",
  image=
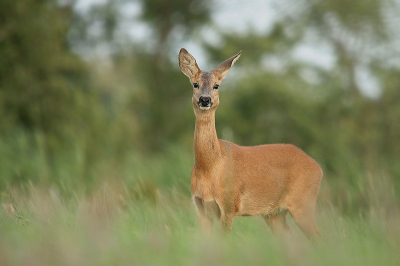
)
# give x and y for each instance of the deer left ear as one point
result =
(223, 69)
(187, 63)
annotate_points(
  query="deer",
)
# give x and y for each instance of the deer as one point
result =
(229, 180)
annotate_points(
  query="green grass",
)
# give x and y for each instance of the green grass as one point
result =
(110, 227)
(141, 213)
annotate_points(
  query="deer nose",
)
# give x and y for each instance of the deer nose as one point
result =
(205, 101)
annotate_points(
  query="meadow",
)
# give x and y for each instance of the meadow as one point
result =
(96, 128)
(142, 214)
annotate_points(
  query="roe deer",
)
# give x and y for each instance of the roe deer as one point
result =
(230, 180)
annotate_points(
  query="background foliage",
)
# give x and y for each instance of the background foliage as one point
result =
(83, 104)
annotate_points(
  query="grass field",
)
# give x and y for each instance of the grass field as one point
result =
(143, 215)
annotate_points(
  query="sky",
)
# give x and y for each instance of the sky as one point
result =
(227, 15)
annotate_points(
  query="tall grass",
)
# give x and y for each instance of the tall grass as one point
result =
(111, 226)
(139, 212)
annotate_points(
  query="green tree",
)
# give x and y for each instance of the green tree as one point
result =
(40, 79)
(45, 89)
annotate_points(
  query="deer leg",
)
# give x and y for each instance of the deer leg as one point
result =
(206, 221)
(208, 211)
(226, 221)
(304, 217)
(277, 223)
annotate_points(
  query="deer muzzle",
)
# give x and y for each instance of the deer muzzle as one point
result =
(205, 102)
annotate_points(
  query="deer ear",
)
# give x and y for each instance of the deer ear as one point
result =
(187, 63)
(225, 66)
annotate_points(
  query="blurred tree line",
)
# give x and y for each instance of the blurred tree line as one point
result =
(55, 100)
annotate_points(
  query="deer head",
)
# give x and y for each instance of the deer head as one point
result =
(205, 84)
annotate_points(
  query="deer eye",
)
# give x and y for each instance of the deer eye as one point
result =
(196, 85)
(216, 86)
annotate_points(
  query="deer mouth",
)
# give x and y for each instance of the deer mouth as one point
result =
(205, 106)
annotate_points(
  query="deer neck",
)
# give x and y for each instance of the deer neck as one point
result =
(206, 145)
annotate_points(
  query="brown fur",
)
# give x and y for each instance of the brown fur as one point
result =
(230, 180)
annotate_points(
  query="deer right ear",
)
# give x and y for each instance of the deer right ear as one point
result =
(225, 66)
(187, 63)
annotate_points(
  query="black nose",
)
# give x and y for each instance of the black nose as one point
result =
(204, 101)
